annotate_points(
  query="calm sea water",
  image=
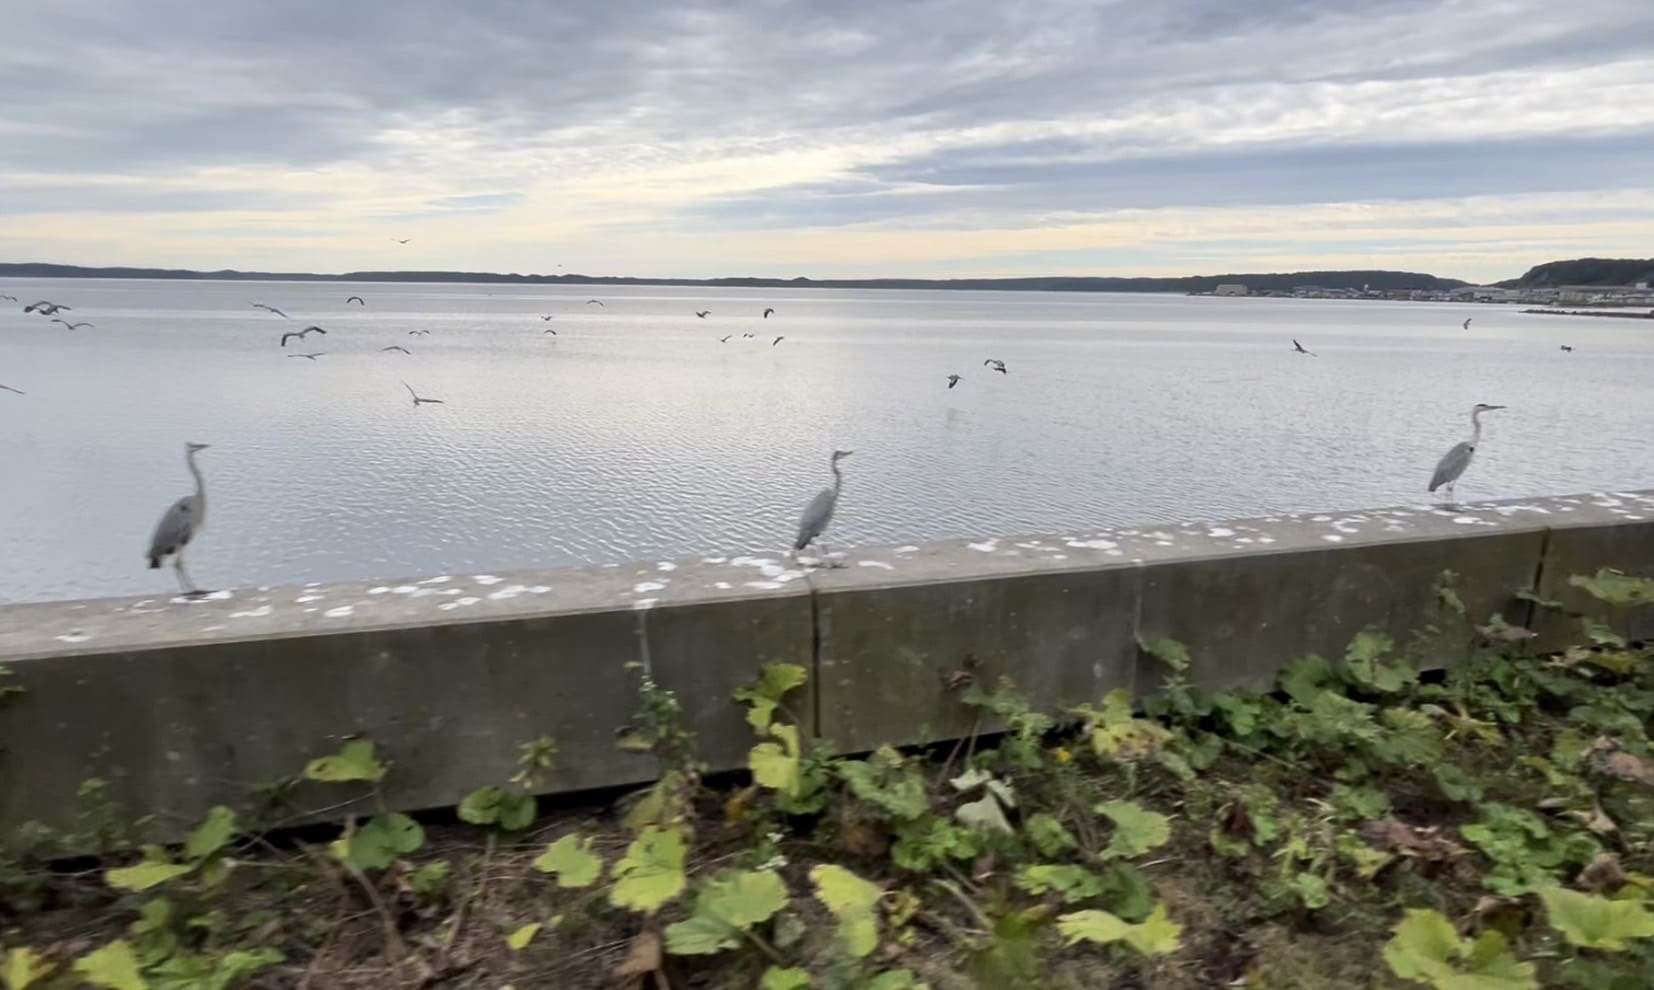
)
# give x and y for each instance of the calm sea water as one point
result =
(635, 433)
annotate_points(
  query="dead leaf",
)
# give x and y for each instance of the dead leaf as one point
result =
(861, 837)
(1410, 840)
(1602, 874)
(1614, 761)
(1236, 820)
(739, 804)
(983, 869)
(1506, 633)
(1596, 820)
(641, 959)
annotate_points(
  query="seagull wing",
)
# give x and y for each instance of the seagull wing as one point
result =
(411, 392)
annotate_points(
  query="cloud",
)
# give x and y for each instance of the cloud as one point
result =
(849, 137)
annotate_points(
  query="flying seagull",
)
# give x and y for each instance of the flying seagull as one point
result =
(1457, 458)
(1466, 325)
(544, 332)
(777, 341)
(1568, 347)
(8, 388)
(996, 364)
(74, 326)
(417, 401)
(1301, 349)
(402, 240)
(703, 313)
(955, 380)
(358, 300)
(545, 318)
(301, 334)
(271, 309)
(45, 308)
(180, 524)
(597, 302)
(745, 336)
(725, 338)
(313, 356)
(768, 311)
(395, 347)
(419, 333)
(8, 298)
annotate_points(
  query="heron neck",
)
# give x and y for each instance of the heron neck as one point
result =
(838, 478)
(200, 482)
(1475, 427)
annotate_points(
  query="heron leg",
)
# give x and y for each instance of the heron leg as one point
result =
(185, 582)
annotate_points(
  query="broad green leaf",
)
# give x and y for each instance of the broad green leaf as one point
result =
(1072, 883)
(1136, 829)
(23, 967)
(1126, 892)
(428, 880)
(1047, 834)
(651, 872)
(1601, 633)
(115, 967)
(1616, 587)
(852, 901)
(519, 939)
(1310, 889)
(213, 834)
(379, 841)
(1426, 948)
(1157, 935)
(510, 810)
(896, 979)
(763, 697)
(885, 781)
(727, 905)
(229, 970)
(1168, 651)
(572, 861)
(354, 761)
(1592, 922)
(517, 811)
(984, 813)
(790, 978)
(143, 876)
(776, 765)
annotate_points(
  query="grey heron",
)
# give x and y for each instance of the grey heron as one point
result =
(73, 326)
(767, 311)
(312, 356)
(820, 510)
(955, 380)
(1466, 324)
(417, 401)
(271, 309)
(301, 334)
(777, 341)
(181, 524)
(1454, 462)
(8, 388)
(1300, 348)
(45, 308)
(395, 347)
(358, 300)
(996, 364)
(703, 313)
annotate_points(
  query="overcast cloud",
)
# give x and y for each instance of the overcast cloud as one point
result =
(830, 138)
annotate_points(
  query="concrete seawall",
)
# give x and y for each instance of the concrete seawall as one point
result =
(181, 704)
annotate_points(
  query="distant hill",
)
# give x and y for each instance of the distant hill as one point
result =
(1191, 283)
(1585, 271)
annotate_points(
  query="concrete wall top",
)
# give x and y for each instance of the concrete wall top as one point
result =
(68, 628)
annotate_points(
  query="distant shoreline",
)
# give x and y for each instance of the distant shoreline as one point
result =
(1588, 312)
(1387, 280)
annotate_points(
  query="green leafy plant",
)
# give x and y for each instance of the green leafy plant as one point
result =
(1156, 935)
(726, 908)
(1593, 922)
(1527, 853)
(852, 902)
(775, 682)
(23, 968)
(651, 873)
(114, 966)
(571, 860)
(378, 842)
(1616, 587)
(1136, 829)
(1426, 948)
(497, 806)
(355, 760)
(886, 782)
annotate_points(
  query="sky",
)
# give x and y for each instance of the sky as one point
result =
(846, 138)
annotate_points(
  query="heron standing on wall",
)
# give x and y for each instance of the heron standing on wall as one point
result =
(180, 524)
(820, 510)
(1454, 462)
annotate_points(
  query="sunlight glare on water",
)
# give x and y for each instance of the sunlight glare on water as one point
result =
(635, 433)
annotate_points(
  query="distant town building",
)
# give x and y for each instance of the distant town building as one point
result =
(1231, 289)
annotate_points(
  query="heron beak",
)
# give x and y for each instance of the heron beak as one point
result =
(1498, 407)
